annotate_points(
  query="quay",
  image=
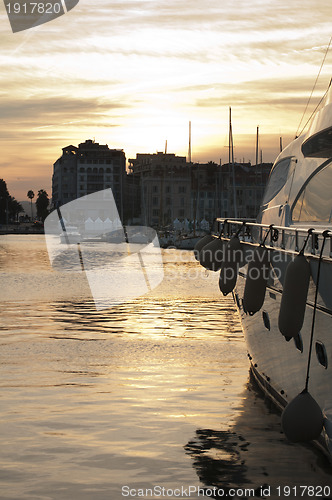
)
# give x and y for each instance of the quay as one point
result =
(23, 228)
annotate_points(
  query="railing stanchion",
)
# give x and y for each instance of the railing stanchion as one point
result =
(283, 239)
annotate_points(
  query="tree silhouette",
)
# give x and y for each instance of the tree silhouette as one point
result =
(9, 207)
(31, 195)
(4, 199)
(14, 208)
(42, 204)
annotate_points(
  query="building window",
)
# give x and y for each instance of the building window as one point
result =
(155, 189)
(182, 189)
(168, 189)
(155, 201)
(155, 212)
(181, 213)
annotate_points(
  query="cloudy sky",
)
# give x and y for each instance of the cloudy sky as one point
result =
(133, 73)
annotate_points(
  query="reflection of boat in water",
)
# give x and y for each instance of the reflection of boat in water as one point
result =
(284, 286)
(252, 457)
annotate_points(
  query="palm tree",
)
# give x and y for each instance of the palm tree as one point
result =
(42, 204)
(31, 195)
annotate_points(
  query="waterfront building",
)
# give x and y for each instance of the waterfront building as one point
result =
(207, 192)
(250, 182)
(88, 168)
(171, 188)
(165, 187)
(161, 187)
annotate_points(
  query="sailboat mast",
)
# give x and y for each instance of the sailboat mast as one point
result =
(189, 148)
(256, 167)
(257, 145)
(231, 155)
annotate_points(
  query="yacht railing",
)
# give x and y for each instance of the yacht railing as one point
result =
(288, 239)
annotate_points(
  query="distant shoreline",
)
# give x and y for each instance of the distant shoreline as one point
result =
(20, 229)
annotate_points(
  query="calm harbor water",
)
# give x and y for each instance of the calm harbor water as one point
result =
(152, 392)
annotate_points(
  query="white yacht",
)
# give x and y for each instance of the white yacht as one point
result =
(287, 314)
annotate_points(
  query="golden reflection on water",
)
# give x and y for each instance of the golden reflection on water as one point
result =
(154, 318)
(97, 400)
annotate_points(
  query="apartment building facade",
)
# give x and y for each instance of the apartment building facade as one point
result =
(165, 187)
(172, 188)
(88, 168)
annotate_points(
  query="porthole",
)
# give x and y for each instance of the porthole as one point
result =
(266, 320)
(321, 354)
(298, 342)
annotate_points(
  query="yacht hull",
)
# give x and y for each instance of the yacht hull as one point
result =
(279, 364)
(295, 219)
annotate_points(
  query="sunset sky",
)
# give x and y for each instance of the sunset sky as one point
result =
(133, 73)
